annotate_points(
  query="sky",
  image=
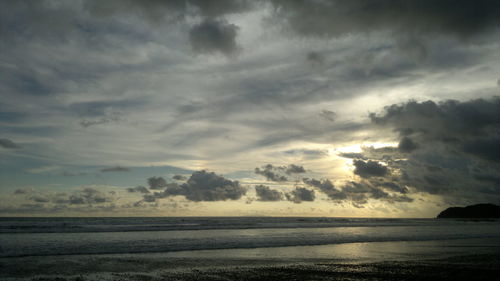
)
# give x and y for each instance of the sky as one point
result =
(360, 108)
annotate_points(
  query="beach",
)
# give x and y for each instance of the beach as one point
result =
(470, 267)
(257, 249)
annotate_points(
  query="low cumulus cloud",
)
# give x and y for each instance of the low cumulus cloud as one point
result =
(157, 183)
(21, 191)
(201, 186)
(369, 168)
(139, 189)
(214, 36)
(278, 173)
(266, 194)
(89, 196)
(359, 192)
(268, 171)
(115, 169)
(86, 196)
(179, 178)
(293, 169)
(327, 187)
(300, 194)
(39, 199)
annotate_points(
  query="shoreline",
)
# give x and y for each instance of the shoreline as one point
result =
(423, 260)
(465, 267)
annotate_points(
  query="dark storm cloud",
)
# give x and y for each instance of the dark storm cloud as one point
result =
(115, 169)
(471, 126)
(369, 168)
(140, 189)
(153, 11)
(156, 11)
(335, 18)
(157, 183)
(57, 19)
(406, 145)
(217, 8)
(264, 193)
(202, 186)
(315, 58)
(212, 36)
(8, 144)
(300, 194)
(309, 18)
(414, 171)
(458, 143)
(495, 179)
(486, 148)
(437, 120)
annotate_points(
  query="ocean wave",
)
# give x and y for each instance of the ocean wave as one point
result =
(42, 244)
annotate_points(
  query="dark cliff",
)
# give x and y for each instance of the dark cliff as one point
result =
(474, 211)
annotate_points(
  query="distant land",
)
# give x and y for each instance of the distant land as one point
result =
(473, 211)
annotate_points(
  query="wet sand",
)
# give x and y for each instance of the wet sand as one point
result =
(470, 267)
(468, 259)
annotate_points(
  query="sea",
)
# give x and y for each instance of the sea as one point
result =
(343, 239)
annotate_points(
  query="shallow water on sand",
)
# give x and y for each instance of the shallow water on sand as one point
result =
(181, 248)
(46, 237)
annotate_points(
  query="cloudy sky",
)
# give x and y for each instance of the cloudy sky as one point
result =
(365, 108)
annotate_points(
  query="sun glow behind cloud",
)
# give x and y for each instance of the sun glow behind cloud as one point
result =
(358, 148)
